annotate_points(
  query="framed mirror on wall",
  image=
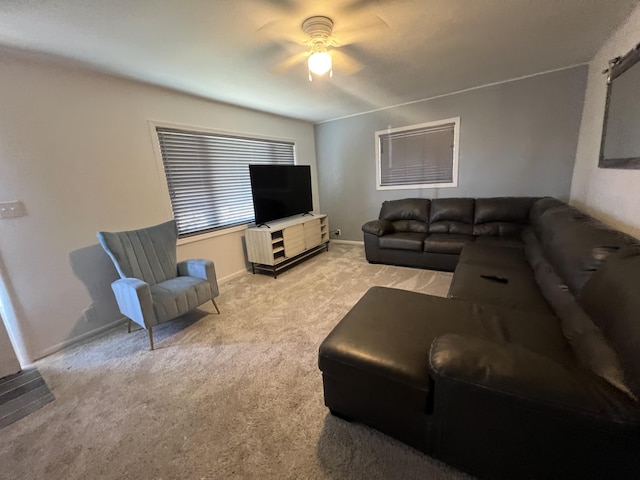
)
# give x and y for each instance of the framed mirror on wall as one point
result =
(620, 146)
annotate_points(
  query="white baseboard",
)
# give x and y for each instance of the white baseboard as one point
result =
(122, 320)
(232, 276)
(92, 333)
(348, 242)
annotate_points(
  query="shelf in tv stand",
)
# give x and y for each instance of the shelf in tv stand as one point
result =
(285, 242)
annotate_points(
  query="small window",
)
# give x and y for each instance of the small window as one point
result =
(418, 156)
(208, 176)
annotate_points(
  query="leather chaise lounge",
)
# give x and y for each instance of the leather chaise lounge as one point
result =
(531, 367)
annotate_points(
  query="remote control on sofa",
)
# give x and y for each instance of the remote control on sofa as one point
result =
(496, 278)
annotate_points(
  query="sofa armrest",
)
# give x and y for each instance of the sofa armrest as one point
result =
(378, 227)
(134, 301)
(200, 268)
(516, 372)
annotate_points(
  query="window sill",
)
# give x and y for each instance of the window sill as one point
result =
(417, 187)
(206, 236)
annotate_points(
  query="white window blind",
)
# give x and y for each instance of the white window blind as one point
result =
(208, 176)
(418, 156)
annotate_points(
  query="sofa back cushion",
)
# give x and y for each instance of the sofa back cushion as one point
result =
(501, 216)
(545, 219)
(575, 244)
(612, 300)
(407, 214)
(590, 346)
(542, 205)
(452, 215)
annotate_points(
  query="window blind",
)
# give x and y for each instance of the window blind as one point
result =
(419, 156)
(208, 176)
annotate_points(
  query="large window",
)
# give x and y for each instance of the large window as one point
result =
(208, 176)
(418, 156)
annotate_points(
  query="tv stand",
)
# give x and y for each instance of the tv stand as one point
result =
(286, 242)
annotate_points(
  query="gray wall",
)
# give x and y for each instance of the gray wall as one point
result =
(622, 139)
(516, 138)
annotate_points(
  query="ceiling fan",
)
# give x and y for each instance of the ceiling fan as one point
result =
(323, 46)
(319, 29)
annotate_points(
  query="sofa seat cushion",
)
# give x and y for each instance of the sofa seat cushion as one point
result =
(493, 255)
(446, 243)
(511, 242)
(179, 295)
(389, 332)
(520, 291)
(403, 241)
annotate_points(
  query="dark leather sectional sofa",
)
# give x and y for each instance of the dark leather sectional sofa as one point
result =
(531, 369)
(419, 232)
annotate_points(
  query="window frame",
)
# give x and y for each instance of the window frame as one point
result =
(455, 121)
(159, 163)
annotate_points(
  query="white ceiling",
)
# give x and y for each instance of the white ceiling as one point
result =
(226, 50)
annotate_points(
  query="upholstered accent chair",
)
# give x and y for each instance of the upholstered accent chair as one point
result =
(153, 287)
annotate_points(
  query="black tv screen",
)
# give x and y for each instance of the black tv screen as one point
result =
(280, 191)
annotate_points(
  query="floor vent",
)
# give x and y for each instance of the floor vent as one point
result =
(22, 394)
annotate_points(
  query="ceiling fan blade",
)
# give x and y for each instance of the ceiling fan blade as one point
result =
(343, 62)
(268, 51)
(356, 5)
(289, 63)
(283, 4)
(282, 31)
(346, 34)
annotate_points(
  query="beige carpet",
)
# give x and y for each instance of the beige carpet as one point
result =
(229, 396)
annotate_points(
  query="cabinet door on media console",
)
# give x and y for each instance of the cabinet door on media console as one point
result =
(293, 240)
(312, 233)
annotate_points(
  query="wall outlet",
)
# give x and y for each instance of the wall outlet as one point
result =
(338, 232)
(13, 209)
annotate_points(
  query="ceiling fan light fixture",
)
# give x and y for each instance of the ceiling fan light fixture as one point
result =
(320, 62)
(319, 29)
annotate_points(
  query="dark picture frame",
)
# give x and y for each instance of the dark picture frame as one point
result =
(620, 145)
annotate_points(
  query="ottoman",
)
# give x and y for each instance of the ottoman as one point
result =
(375, 370)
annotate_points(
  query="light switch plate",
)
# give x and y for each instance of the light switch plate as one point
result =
(13, 209)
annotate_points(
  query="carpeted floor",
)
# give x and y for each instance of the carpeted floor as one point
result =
(230, 396)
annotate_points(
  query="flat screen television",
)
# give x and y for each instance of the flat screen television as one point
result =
(280, 191)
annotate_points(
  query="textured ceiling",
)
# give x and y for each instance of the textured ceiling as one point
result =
(233, 50)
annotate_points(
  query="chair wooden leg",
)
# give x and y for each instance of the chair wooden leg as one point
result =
(151, 337)
(214, 304)
(129, 326)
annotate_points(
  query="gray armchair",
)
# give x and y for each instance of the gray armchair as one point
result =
(153, 287)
